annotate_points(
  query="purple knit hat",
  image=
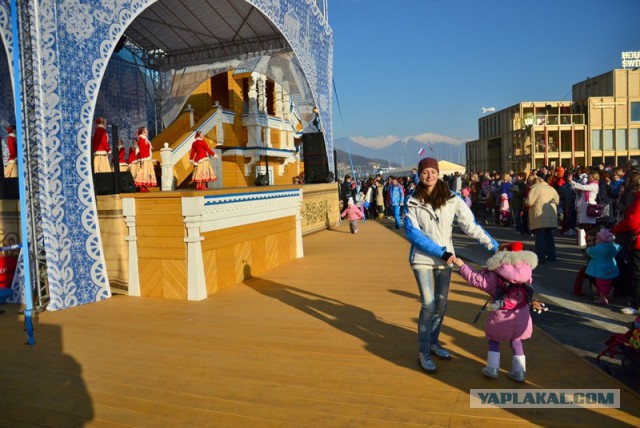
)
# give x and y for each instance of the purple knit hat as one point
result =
(428, 163)
(605, 235)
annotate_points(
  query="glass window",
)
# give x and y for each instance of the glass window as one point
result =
(635, 111)
(621, 139)
(608, 139)
(596, 140)
(634, 139)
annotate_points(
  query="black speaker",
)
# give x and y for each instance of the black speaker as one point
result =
(330, 177)
(316, 164)
(10, 188)
(262, 180)
(103, 183)
(313, 144)
(127, 185)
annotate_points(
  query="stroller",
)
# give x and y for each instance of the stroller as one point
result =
(627, 345)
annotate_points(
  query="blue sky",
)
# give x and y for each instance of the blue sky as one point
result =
(410, 67)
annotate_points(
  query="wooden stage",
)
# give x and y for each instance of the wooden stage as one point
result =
(326, 340)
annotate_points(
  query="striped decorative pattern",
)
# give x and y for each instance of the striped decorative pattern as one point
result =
(320, 207)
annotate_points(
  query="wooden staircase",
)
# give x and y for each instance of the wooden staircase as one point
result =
(180, 134)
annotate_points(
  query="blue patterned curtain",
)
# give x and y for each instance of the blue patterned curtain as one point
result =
(126, 96)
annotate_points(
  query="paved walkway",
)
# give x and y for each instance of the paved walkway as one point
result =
(327, 340)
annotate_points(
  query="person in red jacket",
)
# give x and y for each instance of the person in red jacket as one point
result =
(11, 169)
(146, 175)
(100, 147)
(630, 225)
(122, 160)
(132, 160)
(202, 171)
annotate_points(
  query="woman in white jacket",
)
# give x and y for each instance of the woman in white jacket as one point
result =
(586, 194)
(428, 224)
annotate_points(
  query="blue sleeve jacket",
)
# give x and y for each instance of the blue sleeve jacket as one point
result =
(430, 231)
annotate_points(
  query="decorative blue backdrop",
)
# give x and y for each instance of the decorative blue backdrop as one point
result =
(75, 40)
(126, 96)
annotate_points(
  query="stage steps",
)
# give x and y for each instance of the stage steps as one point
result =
(180, 134)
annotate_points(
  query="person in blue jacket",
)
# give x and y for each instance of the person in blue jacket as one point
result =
(396, 196)
(602, 265)
(428, 223)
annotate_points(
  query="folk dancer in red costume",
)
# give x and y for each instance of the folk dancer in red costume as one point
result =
(146, 175)
(11, 169)
(202, 170)
(132, 160)
(100, 147)
(122, 160)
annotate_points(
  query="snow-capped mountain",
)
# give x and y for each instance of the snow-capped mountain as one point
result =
(405, 151)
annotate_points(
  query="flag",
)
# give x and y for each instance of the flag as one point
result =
(421, 151)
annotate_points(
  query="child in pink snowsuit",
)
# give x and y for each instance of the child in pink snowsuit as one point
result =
(505, 211)
(465, 195)
(507, 278)
(353, 214)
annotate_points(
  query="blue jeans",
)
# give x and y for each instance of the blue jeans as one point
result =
(396, 215)
(434, 291)
(545, 244)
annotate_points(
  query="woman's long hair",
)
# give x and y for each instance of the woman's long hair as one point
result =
(633, 182)
(438, 196)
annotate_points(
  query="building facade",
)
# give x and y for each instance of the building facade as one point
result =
(600, 125)
(611, 105)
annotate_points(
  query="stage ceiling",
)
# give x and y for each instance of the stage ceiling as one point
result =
(195, 32)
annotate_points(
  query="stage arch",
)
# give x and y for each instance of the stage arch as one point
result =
(76, 39)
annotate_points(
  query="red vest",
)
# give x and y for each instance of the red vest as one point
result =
(133, 156)
(199, 150)
(12, 146)
(101, 141)
(121, 157)
(145, 148)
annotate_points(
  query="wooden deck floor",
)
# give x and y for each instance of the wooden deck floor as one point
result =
(328, 340)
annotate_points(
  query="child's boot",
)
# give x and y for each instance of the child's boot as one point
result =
(493, 365)
(519, 369)
(610, 293)
(602, 300)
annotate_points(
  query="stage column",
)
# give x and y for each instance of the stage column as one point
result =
(219, 124)
(252, 119)
(129, 211)
(299, 246)
(192, 214)
(167, 168)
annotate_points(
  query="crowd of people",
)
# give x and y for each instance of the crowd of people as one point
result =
(540, 203)
(595, 202)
